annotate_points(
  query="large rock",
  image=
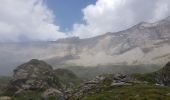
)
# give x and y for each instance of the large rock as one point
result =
(33, 75)
(32, 69)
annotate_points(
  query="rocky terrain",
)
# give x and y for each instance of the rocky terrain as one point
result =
(37, 80)
(150, 86)
(149, 43)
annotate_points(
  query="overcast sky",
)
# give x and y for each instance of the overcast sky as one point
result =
(48, 20)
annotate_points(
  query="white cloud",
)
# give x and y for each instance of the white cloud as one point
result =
(115, 15)
(22, 20)
(32, 20)
(161, 10)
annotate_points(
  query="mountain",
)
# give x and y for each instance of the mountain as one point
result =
(144, 43)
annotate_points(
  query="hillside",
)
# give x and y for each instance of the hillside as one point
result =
(3, 82)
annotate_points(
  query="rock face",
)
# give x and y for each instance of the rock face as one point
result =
(164, 74)
(33, 75)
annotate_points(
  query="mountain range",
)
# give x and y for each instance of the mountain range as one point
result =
(144, 43)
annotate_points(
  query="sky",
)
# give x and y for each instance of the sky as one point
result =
(68, 12)
(49, 20)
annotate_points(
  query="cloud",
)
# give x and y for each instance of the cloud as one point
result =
(115, 15)
(32, 20)
(27, 20)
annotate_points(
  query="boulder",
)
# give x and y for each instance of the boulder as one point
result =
(121, 79)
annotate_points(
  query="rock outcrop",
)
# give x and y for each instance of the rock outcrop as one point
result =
(38, 75)
(164, 75)
(33, 75)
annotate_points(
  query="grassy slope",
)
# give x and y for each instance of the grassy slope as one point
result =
(135, 92)
(3, 82)
(140, 91)
(149, 77)
(4, 79)
(67, 77)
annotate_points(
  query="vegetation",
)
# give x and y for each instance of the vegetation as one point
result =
(134, 92)
(3, 82)
(150, 77)
(67, 77)
(4, 79)
(29, 95)
(104, 90)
